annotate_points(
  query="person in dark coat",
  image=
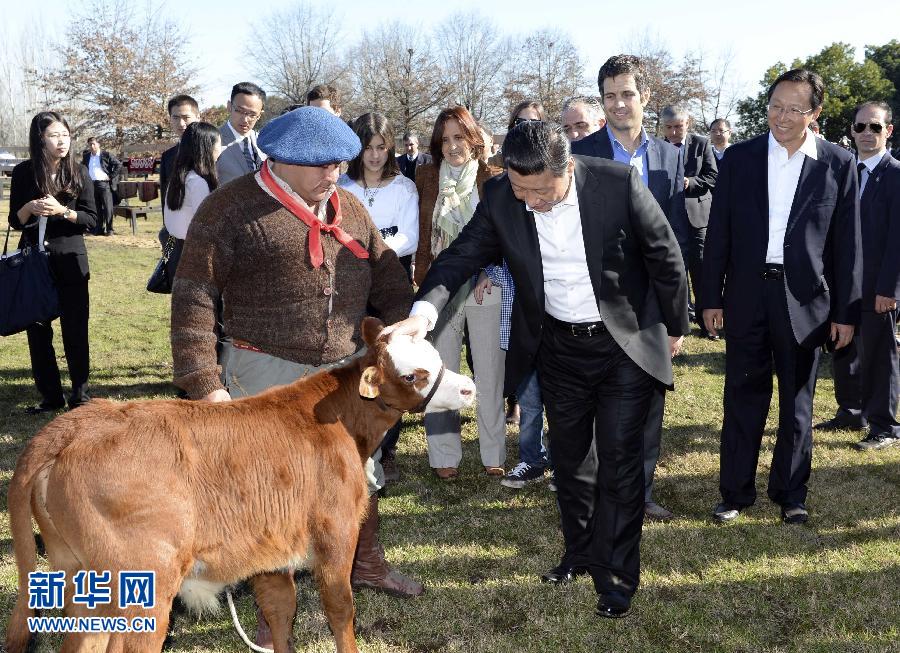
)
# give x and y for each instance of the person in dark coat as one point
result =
(52, 203)
(104, 170)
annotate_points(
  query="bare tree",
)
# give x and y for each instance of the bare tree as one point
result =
(721, 90)
(295, 49)
(395, 72)
(546, 67)
(472, 54)
(118, 70)
(22, 57)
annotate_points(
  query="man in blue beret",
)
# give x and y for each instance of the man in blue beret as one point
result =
(296, 261)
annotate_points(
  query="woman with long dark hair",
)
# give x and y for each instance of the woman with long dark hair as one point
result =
(389, 197)
(193, 178)
(52, 202)
(449, 190)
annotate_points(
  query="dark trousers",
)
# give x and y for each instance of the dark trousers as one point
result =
(596, 397)
(74, 309)
(847, 384)
(104, 202)
(748, 391)
(391, 436)
(653, 438)
(694, 263)
(879, 372)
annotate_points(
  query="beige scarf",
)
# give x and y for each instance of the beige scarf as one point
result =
(453, 208)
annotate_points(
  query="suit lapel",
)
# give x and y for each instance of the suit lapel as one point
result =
(527, 243)
(873, 184)
(762, 179)
(590, 205)
(810, 173)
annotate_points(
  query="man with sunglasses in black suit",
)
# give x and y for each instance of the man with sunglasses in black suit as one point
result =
(782, 271)
(866, 378)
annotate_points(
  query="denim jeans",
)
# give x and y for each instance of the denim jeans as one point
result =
(531, 422)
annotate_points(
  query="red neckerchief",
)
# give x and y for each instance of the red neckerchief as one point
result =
(315, 225)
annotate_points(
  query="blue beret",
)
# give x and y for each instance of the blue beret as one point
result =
(308, 136)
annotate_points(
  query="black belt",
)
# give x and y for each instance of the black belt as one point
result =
(578, 329)
(773, 271)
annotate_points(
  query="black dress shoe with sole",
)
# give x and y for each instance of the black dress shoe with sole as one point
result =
(794, 514)
(43, 408)
(725, 513)
(839, 424)
(613, 605)
(562, 574)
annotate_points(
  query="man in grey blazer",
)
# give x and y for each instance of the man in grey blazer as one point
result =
(240, 155)
(626, 91)
(700, 174)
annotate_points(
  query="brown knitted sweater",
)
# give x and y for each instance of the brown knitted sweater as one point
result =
(427, 185)
(244, 246)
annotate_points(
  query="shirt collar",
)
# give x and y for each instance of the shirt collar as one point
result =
(808, 147)
(237, 136)
(645, 141)
(873, 161)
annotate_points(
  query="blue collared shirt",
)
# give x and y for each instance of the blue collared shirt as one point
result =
(638, 159)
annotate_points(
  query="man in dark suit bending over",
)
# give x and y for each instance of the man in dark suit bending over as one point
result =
(782, 268)
(600, 308)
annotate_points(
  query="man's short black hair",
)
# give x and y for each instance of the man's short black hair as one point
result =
(532, 147)
(178, 100)
(876, 104)
(624, 64)
(802, 76)
(247, 88)
(715, 122)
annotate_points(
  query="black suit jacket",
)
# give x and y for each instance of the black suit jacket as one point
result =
(633, 261)
(110, 164)
(700, 167)
(665, 175)
(880, 226)
(822, 262)
(65, 240)
(408, 168)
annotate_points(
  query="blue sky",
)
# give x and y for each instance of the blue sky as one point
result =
(759, 33)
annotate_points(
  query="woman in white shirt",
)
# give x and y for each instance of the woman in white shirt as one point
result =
(389, 197)
(193, 178)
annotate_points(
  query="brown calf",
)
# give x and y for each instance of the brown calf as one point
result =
(208, 494)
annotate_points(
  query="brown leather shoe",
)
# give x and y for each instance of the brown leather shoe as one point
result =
(263, 632)
(371, 570)
(446, 473)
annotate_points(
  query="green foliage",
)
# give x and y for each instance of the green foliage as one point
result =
(887, 57)
(847, 84)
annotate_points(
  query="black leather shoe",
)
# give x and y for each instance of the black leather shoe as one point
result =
(794, 513)
(562, 574)
(613, 605)
(839, 424)
(43, 408)
(725, 513)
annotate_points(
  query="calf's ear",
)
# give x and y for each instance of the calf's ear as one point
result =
(371, 328)
(368, 382)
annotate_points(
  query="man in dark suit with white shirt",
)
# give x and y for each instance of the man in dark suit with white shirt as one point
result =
(104, 170)
(867, 381)
(700, 174)
(625, 92)
(410, 161)
(600, 309)
(240, 155)
(782, 270)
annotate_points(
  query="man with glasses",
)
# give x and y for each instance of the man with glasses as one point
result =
(240, 155)
(866, 378)
(782, 271)
(720, 137)
(625, 90)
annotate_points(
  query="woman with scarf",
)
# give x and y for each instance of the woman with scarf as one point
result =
(449, 189)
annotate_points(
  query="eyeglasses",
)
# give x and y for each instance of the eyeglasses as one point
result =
(860, 127)
(720, 132)
(249, 115)
(519, 121)
(793, 112)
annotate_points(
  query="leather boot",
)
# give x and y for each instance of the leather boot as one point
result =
(370, 569)
(263, 633)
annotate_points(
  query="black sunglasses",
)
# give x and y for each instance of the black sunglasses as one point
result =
(860, 127)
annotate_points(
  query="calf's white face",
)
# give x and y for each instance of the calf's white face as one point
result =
(411, 359)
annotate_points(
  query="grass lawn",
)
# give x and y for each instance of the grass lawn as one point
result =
(830, 586)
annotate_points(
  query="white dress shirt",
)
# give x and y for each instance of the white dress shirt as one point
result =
(784, 175)
(870, 164)
(95, 168)
(239, 141)
(195, 191)
(568, 292)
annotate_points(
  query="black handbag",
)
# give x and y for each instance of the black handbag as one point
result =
(160, 281)
(28, 293)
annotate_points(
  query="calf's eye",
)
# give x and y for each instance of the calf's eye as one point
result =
(409, 378)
